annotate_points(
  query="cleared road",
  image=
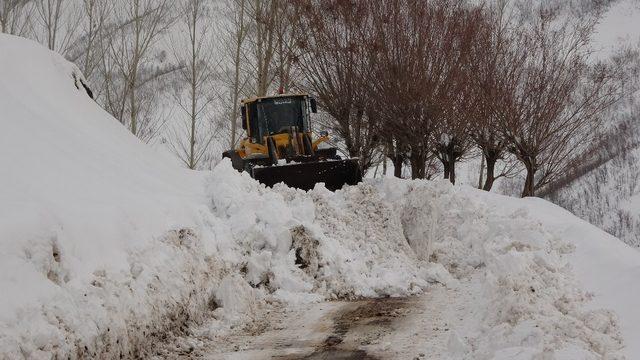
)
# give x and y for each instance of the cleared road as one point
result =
(389, 328)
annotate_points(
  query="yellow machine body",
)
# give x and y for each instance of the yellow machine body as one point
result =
(279, 145)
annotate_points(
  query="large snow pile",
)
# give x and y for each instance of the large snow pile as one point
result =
(105, 246)
(546, 281)
(343, 244)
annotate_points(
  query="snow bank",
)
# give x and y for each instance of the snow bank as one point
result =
(345, 244)
(549, 285)
(88, 217)
(603, 265)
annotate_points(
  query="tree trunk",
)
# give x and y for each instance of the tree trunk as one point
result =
(417, 165)
(236, 76)
(529, 184)
(449, 170)
(134, 69)
(194, 100)
(448, 159)
(398, 161)
(491, 176)
(133, 114)
(481, 172)
(445, 166)
(384, 166)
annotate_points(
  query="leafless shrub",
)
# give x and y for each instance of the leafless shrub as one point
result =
(57, 23)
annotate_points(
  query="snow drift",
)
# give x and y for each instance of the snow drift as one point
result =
(540, 281)
(105, 245)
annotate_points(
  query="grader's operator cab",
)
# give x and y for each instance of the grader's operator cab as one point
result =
(276, 115)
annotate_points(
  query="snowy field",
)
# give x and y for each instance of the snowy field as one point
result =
(107, 246)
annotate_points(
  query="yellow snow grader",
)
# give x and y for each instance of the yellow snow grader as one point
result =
(279, 145)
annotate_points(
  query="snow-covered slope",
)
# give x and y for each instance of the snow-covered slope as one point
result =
(83, 208)
(105, 245)
(608, 196)
(546, 283)
(603, 266)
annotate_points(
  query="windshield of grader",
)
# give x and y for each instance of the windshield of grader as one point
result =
(278, 114)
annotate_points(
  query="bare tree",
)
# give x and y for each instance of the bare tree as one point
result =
(395, 85)
(498, 53)
(553, 104)
(332, 38)
(14, 16)
(419, 81)
(457, 35)
(58, 22)
(96, 15)
(235, 39)
(273, 34)
(191, 141)
(287, 50)
(264, 15)
(127, 65)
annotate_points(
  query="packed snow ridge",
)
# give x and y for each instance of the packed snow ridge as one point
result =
(106, 245)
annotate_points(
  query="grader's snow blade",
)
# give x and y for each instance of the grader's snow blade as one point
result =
(333, 173)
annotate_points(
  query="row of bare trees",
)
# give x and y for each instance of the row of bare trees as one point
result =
(422, 83)
(428, 83)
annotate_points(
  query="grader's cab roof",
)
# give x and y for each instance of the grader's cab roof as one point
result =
(257, 98)
(269, 115)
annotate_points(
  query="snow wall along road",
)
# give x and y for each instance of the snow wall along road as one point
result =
(106, 244)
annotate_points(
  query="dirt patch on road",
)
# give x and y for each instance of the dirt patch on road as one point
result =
(341, 330)
(357, 326)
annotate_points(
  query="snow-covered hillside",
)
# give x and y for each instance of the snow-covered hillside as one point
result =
(606, 195)
(85, 215)
(618, 26)
(106, 246)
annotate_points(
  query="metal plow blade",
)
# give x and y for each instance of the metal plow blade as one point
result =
(333, 173)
